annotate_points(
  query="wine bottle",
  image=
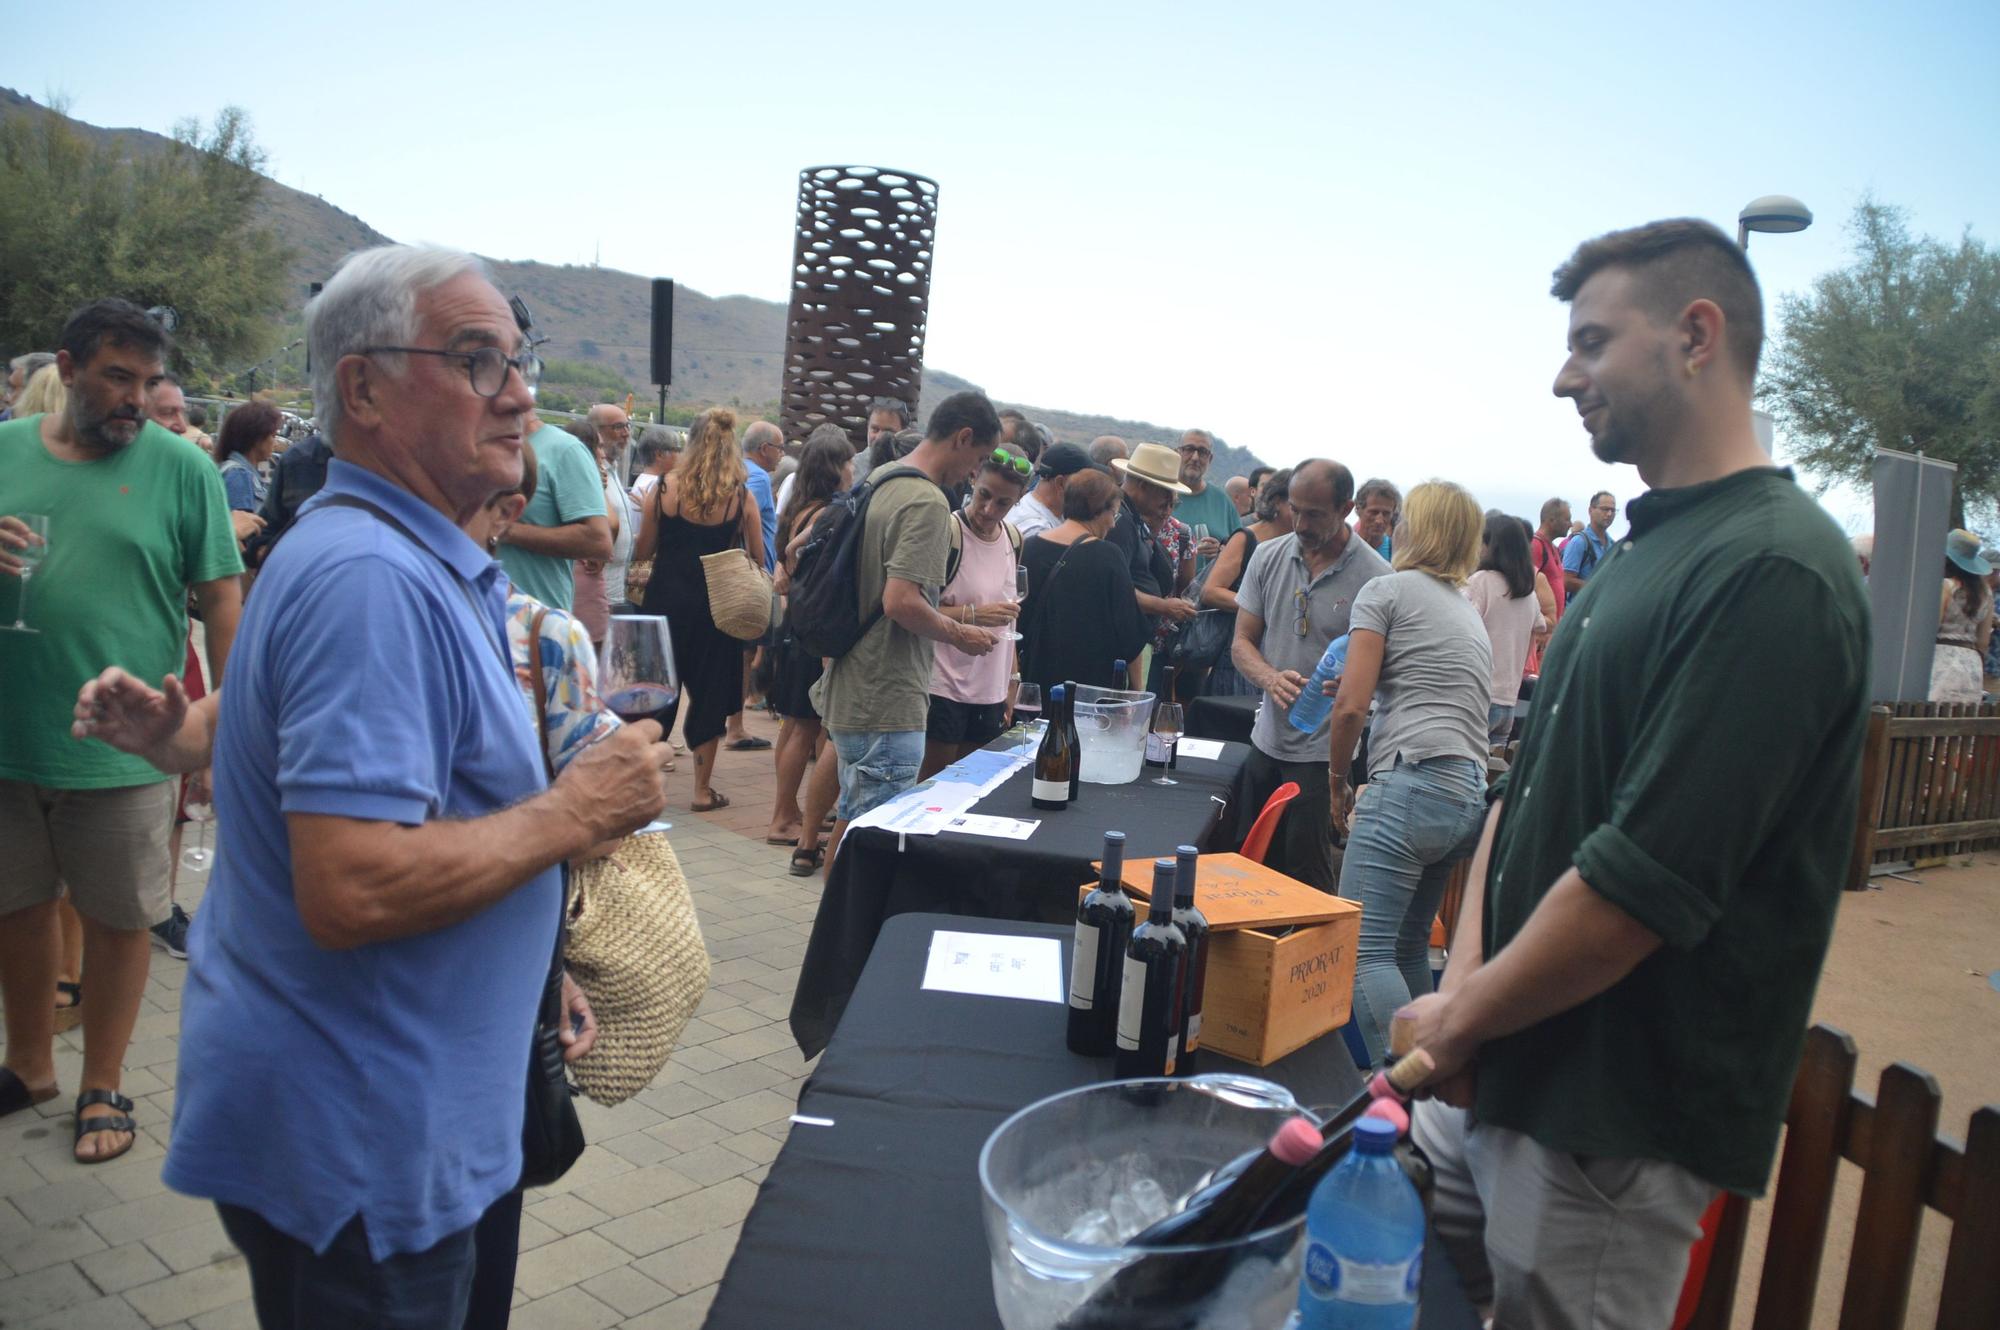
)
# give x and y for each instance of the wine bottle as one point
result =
(1156, 743)
(1075, 741)
(1097, 965)
(1149, 1001)
(1055, 760)
(1167, 1288)
(1195, 969)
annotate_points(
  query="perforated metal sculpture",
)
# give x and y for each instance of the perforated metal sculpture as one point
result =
(861, 287)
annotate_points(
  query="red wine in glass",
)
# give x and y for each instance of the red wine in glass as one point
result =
(645, 701)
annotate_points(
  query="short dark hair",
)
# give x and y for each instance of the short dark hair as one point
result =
(1603, 494)
(1678, 262)
(197, 414)
(966, 410)
(892, 404)
(1376, 485)
(1257, 474)
(245, 427)
(1087, 495)
(119, 322)
(1343, 479)
(1554, 508)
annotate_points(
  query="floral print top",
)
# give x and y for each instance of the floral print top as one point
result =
(1176, 540)
(577, 716)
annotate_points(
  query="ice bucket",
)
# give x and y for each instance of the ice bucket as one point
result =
(1064, 1181)
(1112, 724)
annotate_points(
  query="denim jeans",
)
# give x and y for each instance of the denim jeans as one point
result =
(1499, 723)
(344, 1287)
(1410, 825)
(875, 767)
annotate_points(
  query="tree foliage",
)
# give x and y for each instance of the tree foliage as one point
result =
(1901, 350)
(174, 224)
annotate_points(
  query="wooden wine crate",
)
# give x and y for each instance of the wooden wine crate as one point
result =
(1266, 994)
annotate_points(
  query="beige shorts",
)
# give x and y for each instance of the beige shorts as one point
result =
(108, 846)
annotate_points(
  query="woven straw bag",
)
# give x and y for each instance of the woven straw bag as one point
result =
(739, 594)
(636, 950)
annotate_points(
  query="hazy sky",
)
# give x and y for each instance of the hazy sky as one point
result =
(1316, 229)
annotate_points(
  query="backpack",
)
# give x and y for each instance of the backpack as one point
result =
(957, 554)
(826, 614)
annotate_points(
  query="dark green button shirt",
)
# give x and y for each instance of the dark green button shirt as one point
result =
(1694, 751)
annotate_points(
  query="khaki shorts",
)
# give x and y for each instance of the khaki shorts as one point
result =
(108, 846)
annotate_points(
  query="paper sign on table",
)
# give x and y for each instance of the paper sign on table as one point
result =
(983, 824)
(990, 965)
(1207, 748)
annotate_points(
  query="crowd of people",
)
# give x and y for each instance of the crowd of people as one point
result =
(386, 818)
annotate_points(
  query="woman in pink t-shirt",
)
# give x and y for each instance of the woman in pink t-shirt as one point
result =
(970, 697)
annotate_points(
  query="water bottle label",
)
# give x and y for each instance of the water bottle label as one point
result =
(1083, 969)
(1132, 1005)
(1331, 1277)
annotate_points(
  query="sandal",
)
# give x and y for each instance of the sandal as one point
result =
(806, 862)
(747, 744)
(781, 840)
(15, 1094)
(717, 799)
(120, 1121)
(68, 1013)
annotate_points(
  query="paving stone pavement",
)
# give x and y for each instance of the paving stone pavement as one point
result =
(636, 1235)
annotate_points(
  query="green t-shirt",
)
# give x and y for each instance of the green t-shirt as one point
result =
(1211, 508)
(883, 685)
(568, 489)
(1694, 751)
(128, 534)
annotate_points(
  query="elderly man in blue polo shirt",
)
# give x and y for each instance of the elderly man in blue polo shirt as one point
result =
(365, 968)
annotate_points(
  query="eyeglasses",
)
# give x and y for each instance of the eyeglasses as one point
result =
(487, 367)
(1301, 602)
(1196, 452)
(1019, 464)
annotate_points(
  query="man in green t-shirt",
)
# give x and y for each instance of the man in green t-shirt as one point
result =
(1653, 895)
(1204, 505)
(107, 521)
(564, 522)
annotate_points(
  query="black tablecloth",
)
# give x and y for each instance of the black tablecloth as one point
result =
(879, 873)
(1223, 717)
(875, 1221)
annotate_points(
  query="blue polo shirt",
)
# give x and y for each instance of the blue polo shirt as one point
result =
(759, 481)
(388, 1080)
(1585, 550)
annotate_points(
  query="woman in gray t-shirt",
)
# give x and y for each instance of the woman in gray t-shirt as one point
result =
(1420, 652)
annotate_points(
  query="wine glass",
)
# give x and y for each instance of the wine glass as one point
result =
(1013, 633)
(637, 674)
(1168, 724)
(197, 857)
(30, 556)
(1027, 702)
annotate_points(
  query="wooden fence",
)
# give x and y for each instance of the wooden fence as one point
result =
(1930, 784)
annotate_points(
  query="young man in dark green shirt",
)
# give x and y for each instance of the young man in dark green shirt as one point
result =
(1629, 992)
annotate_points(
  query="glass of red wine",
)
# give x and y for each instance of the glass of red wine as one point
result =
(637, 675)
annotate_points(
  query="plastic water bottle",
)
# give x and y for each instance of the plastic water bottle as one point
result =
(1309, 712)
(1364, 1241)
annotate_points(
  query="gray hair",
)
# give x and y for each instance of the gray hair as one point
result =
(654, 440)
(1376, 485)
(757, 432)
(1105, 447)
(371, 300)
(31, 362)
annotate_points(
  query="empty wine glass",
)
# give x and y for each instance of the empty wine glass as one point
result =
(197, 857)
(30, 556)
(1168, 724)
(1013, 633)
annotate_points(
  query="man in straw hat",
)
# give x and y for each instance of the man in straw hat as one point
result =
(1151, 480)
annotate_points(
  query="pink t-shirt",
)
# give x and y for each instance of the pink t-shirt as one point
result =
(985, 575)
(1510, 624)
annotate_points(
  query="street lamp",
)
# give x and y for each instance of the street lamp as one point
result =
(1774, 212)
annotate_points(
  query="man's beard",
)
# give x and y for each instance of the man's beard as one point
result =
(104, 433)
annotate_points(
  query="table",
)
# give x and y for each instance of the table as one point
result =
(1228, 717)
(875, 1220)
(878, 873)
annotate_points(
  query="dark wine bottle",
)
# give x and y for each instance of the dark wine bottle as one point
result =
(1149, 1000)
(1097, 965)
(1156, 743)
(1168, 1288)
(1075, 740)
(1055, 760)
(1194, 924)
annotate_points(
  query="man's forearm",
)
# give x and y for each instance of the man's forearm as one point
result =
(192, 746)
(1250, 663)
(1152, 605)
(587, 539)
(359, 883)
(918, 617)
(1574, 946)
(221, 603)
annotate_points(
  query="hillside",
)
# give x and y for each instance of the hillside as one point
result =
(727, 349)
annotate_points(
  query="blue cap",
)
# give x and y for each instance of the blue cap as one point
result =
(1056, 693)
(1373, 1136)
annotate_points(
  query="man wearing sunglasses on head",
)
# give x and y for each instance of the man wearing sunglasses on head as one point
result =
(1295, 600)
